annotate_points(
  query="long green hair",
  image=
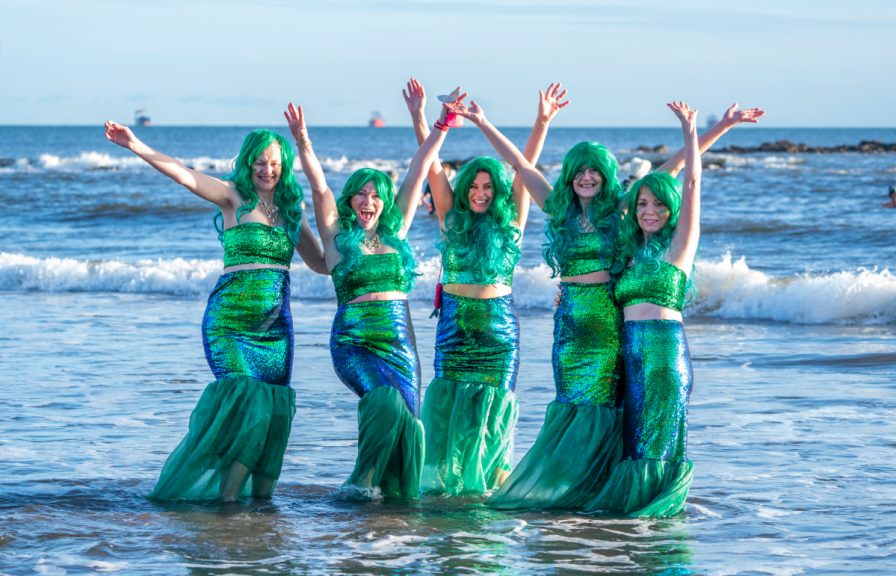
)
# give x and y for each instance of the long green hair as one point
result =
(348, 239)
(631, 245)
(563, 206)
(288, 194)
(487, 240)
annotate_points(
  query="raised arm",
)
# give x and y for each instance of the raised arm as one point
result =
(550, 102)
(442, 194)
(325, 214)
(412, 187)
(215, 190)
(533, 180)
(683, 247)
(732, 118)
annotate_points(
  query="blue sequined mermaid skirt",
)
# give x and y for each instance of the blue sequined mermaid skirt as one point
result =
(581, 438)
(244, 416)
(654, 477)
(470, 409)
(375, 354)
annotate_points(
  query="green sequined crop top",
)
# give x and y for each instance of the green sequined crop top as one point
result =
(256, 243)
(589, 253)
(455, 270)
(371, 273)
(653, 281)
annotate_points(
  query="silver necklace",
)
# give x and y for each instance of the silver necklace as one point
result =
(269, 209)
(585, 225)
(373, 243)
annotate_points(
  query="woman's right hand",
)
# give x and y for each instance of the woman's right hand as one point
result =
(414, 96)
(120, 134)
(474, 113)
(549, 102)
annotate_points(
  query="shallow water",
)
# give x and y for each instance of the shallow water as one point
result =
(790, 431)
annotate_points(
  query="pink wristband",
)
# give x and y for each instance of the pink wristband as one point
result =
(439, 126)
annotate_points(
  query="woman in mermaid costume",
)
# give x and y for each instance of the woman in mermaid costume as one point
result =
(470, 408)
(239, 429)
(372, 341)
(656, 250)
(581, 439)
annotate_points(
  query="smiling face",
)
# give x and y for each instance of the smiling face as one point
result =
(266, 170)
(651, 212)
(481, 194)
(587, 183)
(367, 206)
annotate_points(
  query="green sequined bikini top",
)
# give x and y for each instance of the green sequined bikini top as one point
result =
(371, 273)
(456, 271)
(256, 243)
(590, 252)
(653, 281)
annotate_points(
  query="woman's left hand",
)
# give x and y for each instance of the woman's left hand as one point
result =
(734, 116)
(685, 113)
(295, 117)
(551, 101)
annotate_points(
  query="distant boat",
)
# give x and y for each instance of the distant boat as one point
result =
(376, 120)
(711, 120)
(141, 118)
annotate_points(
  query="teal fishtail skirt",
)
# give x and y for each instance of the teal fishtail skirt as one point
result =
(244, 416)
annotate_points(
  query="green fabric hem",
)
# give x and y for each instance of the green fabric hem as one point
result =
(237, 419)
(575, 451)
(645, 488)
(390, 448)
(469, 437)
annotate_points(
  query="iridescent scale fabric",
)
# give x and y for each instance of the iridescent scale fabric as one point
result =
(457, 270)
(658, 384)
(256, 243)
(247, 327)
(586, 345)
(477, 340)
(589, 252)
(371, 273)
(653, 281)
(372, 344)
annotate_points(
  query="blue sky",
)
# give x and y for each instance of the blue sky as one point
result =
(223, 62)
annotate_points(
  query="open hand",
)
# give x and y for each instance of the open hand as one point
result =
(685, 113)
(414, 96)
(551, 101)
(295, 117)
(734, 116)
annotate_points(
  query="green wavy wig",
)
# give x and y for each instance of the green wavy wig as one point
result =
(348, 239)
(288, 194)
(563, 206)
(488, 241)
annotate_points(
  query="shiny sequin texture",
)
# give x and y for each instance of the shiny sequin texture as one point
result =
(589, 252)
(372, 273)
(247, 327)
(372, 344)
(477, 340)
(658, 384)
(256, 243)
(456, 270)
(653, 281)
(586, 345)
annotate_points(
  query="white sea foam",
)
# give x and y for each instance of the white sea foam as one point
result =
(727, 288)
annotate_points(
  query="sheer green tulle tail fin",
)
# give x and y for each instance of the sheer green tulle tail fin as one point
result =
(237, 419)
(645, 488)
(572, 457)
(390, 447)
(469, 436)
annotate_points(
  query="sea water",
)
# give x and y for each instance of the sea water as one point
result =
(105, 266)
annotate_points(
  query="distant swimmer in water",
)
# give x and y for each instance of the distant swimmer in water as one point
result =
(892, 202)
(240, 427)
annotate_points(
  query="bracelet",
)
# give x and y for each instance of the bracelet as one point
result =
(440, 126)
